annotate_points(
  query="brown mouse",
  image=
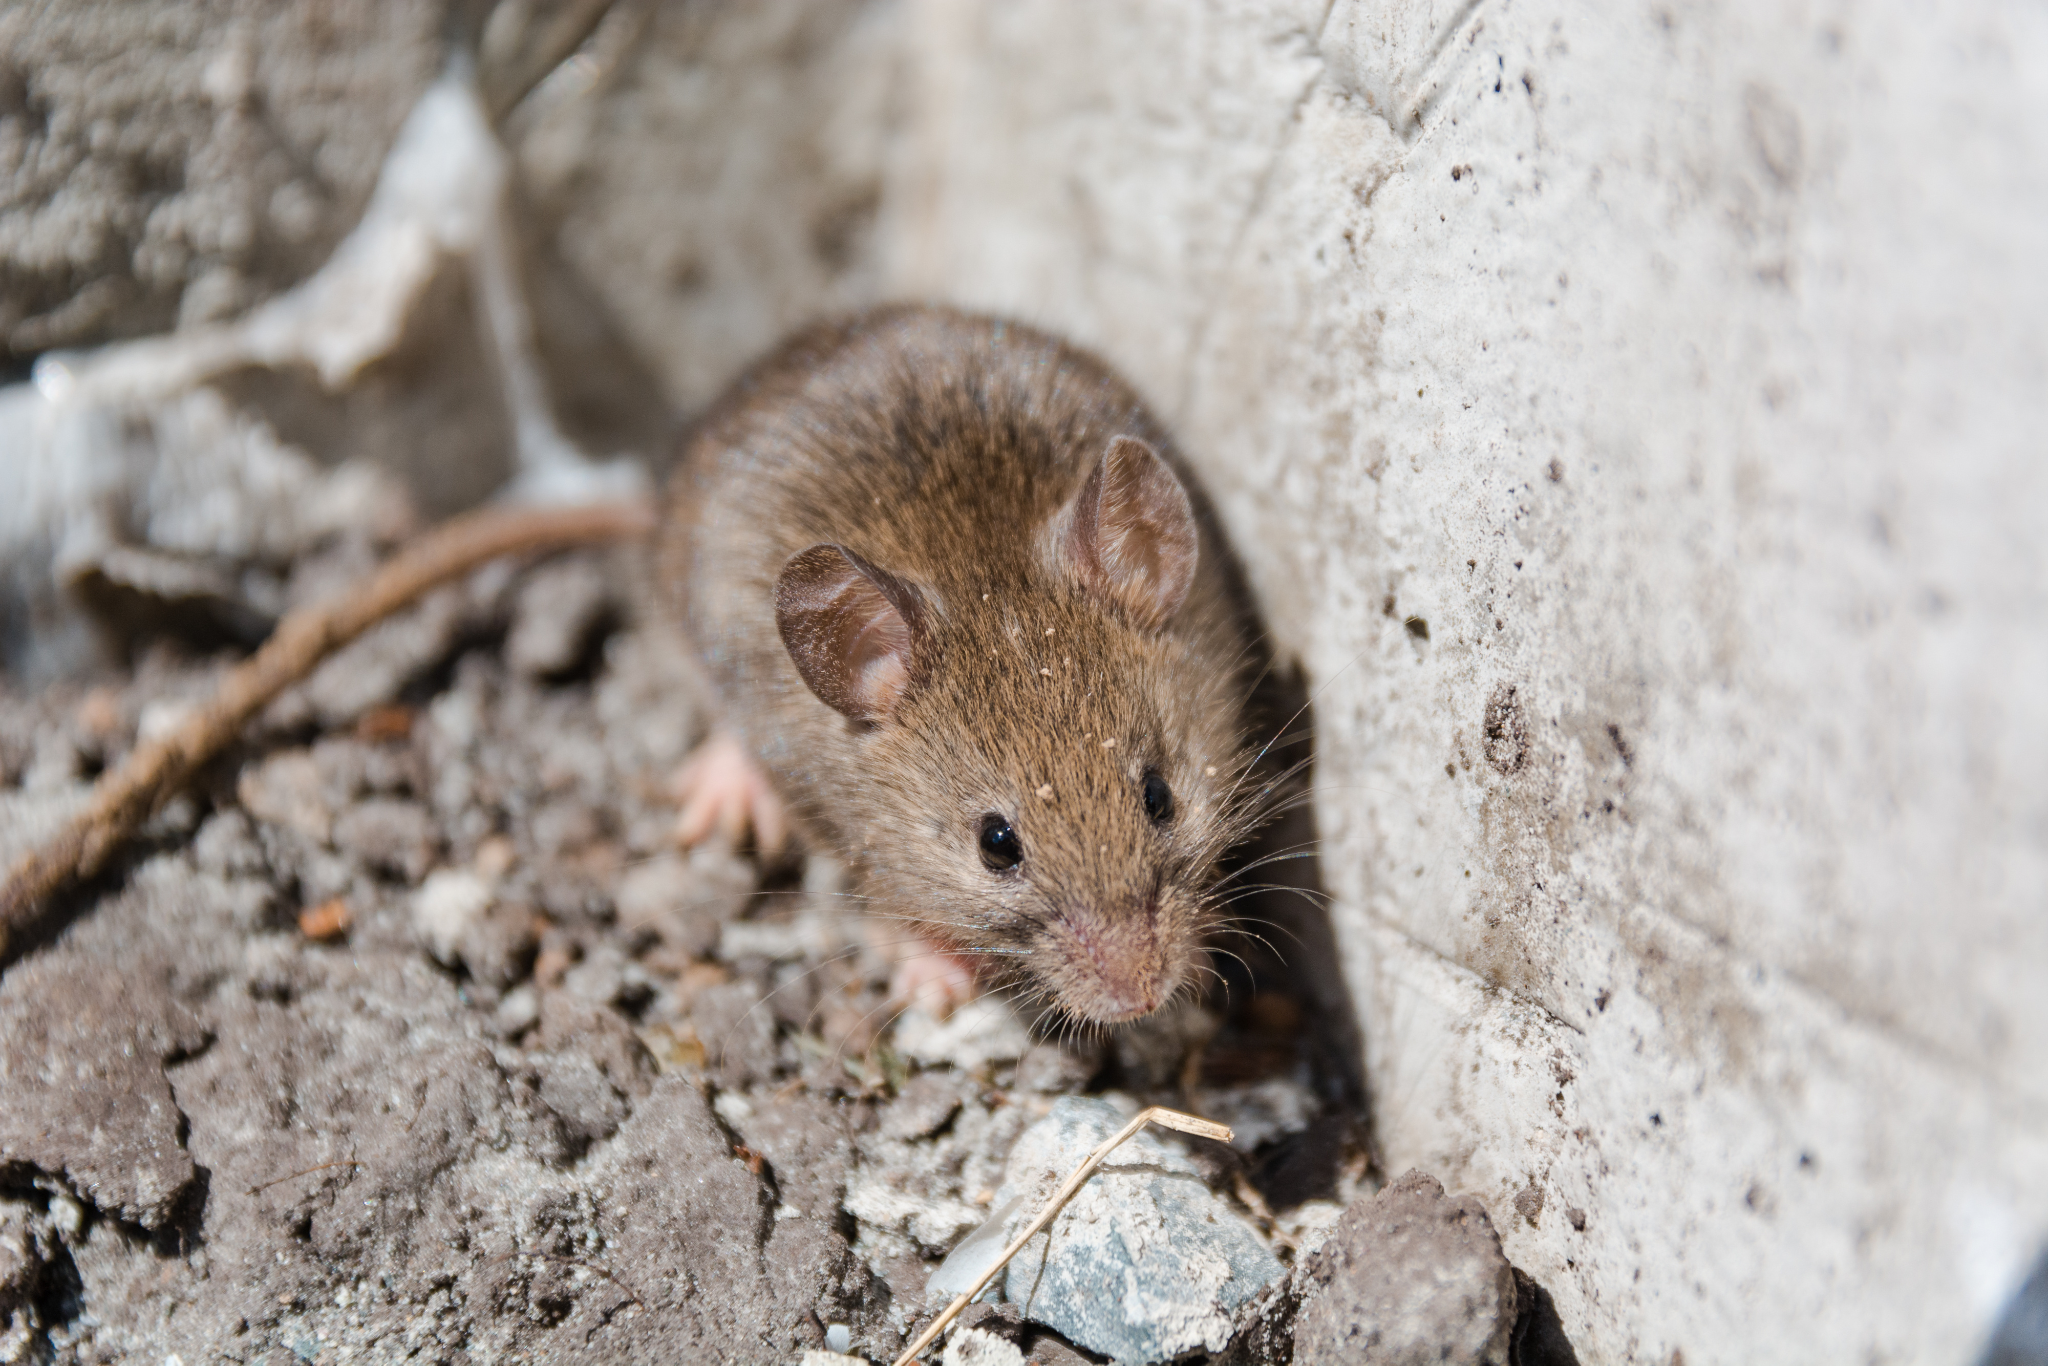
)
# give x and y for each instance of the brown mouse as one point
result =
(970, 616)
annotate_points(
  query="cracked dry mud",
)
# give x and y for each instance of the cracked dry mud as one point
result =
(407, 1034)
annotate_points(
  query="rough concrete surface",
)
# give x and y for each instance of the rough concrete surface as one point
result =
(1630, 414)
(176, 162)
(715, 173)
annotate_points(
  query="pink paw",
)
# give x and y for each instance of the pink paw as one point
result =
(933, 980)
(721, 789)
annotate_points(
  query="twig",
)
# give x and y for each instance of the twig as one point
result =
(1155, 1114)
(1248, 1196)
(293, 1176)
(123, 798)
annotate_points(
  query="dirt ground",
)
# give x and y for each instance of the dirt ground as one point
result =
(408, 1035)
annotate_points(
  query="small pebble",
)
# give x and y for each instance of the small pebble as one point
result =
(328, 920)
(517, 1011)
(979, 1347)
(444, 906)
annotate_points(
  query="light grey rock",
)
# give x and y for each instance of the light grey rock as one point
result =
(600, 978)
(924, 1105)
(681, 900)
(981, 1032)
(391, 836)
(932, 1221)
(559, 608)
(979, 1347)
(1145, 1262)
(285, 790)
(445, 906)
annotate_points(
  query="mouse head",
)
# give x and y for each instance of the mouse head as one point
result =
(1051, 758)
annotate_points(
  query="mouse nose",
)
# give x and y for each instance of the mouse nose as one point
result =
(1122, 1006)
(1113, 966)
(1125, 988)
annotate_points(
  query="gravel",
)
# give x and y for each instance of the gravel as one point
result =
(541, 1086)
(407, 1034)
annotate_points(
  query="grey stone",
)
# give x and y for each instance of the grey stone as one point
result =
(983, 1031)
(1408, 1278)
(683, 900)
(83, 1097)
(600, 978)
(558, 609)
(226, 846)
(498, 947)
(1057, 1067)
(571, 1024)
(285, 789)
(1145, 1262)
(389, 835)
(924, 1105)
(738, 1033)
(373, 669)
(445, 908)
(590, 1108)
(808, 1149)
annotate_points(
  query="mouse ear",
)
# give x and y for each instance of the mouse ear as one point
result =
(849, 627)
(1130, 536)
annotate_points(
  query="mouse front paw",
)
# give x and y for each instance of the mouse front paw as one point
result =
(722, 791)
(933, 980)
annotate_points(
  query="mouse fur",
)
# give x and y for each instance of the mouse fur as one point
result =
(946, 569)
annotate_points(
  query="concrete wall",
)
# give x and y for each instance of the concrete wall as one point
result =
(1682, 367)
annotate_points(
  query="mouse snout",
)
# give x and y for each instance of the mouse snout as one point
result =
(1129, 1000)
(1112, 968)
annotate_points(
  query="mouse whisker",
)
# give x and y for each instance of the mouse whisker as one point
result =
(1265, 749)
(1231, 954)
(1267, 944)
(1291, 854)
(1234, 925)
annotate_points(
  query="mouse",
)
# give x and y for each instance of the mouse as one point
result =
(973, 629)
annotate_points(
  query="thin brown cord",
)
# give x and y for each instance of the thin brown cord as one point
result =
(126, 796)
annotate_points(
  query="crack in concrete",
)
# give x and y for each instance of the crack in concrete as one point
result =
(1479, 981)
(1417, 110)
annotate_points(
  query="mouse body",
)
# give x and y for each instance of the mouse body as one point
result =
(974, 629)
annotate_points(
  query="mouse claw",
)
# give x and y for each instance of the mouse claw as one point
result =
(722, 790)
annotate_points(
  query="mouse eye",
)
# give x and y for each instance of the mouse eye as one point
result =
(1158, 799)
(1001, 850)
